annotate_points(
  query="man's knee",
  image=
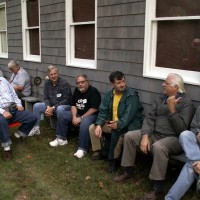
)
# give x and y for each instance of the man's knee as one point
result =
(131, 136)
(36, 106)
(62, 108)
(59, 110)
(158, 148)
(185, 135)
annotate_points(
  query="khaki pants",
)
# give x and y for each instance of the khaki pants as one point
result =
(161, 148)
(95, 141)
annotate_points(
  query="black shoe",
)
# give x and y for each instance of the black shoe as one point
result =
(198, 186)
(112, 166)
(97, 156)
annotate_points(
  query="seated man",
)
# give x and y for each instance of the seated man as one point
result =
(190, 141)
(170, 115)
(11, 110)
(57, 97)
(85, 103)
(119, 112)
(20, 79)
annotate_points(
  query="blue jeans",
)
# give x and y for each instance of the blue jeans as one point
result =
(187, 176)
(27, 119)
(84, 136)
(39, 108)
(64, 118)
(63, 122)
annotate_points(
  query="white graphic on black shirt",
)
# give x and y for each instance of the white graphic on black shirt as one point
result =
(81, 104)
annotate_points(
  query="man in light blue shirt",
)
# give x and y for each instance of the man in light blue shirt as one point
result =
(20, 79)
(11, 110)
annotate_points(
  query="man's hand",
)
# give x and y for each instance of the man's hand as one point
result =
(171, 103)
(76, 121)
(20, 108)
(98, 131)
(145, 144)
(7, 115)
(49, 111)
(196, 167)
(112, 124)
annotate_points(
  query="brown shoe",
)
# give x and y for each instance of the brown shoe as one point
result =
(123, 178)
(153, 195)
(7, 155)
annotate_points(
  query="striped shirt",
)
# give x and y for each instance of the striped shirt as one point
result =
(7, 95)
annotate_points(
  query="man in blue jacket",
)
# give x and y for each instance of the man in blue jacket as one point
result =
(119, 112)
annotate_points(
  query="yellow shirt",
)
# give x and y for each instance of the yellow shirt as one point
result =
(116, 101)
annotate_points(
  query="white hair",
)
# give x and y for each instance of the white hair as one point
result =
(178, 80)
(50, 68)
(13, 63)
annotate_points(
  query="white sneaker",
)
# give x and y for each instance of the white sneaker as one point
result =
(34, 131)
(57, 142)
(80, 153)
(17, 135)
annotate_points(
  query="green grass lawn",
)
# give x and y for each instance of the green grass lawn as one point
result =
(41, 172)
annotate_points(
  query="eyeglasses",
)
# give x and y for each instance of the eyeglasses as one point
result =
(80, 82)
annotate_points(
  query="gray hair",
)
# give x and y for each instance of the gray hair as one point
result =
(13, 63)
(178, 80)
(82, 75)
(50, 68)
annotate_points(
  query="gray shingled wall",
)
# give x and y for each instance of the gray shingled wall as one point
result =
(120, 46)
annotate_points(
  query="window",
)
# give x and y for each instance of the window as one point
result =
(3, 32)
(31, 30)
(81, 33)
(172, 39)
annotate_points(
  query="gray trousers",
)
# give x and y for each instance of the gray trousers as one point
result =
(161, 149)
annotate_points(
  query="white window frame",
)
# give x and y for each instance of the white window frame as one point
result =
(25, 34)
(4, 54)
(149, 68)
(70, 40)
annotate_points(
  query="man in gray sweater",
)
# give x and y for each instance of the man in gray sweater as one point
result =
(171, 114)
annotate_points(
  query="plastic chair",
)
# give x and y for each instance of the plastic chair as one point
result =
(14, 124)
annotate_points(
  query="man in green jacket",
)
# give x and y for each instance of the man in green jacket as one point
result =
(119, 112)
(170, 115)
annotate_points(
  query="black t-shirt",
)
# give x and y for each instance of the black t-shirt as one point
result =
(84, 101)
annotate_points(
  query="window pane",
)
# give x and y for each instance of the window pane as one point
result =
(84, 41)
(32, 13)
(178, 45)
(170, 8)
(2, 18)
(3, 42)
(83, 10)
(34, 42)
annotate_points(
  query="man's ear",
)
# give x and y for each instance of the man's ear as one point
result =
(177, 87)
